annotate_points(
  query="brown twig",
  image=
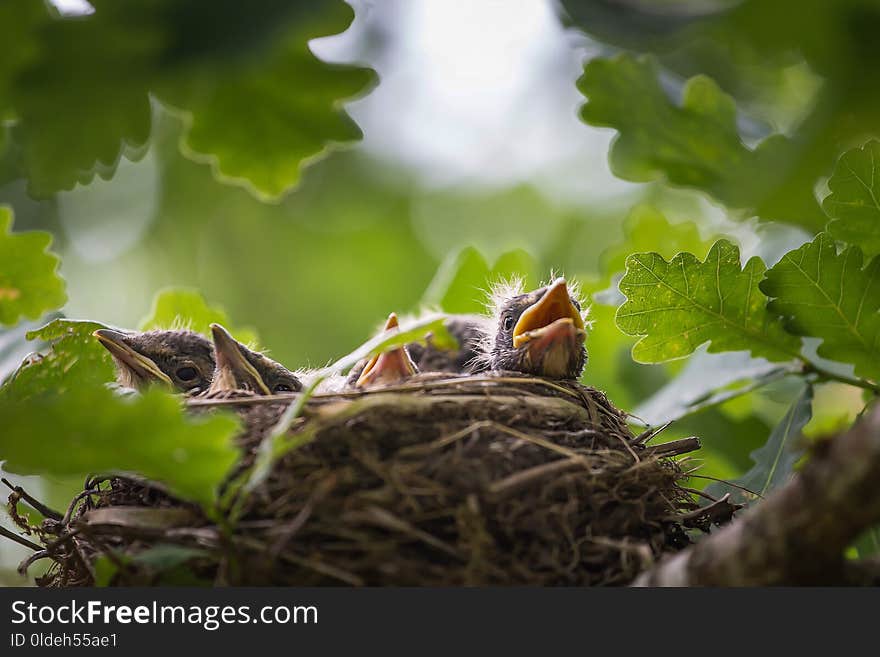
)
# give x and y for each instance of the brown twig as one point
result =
(799, 533)
(35, 503)
(674, 447)
(21, 540)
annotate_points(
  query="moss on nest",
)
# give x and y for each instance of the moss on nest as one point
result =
(463, 481)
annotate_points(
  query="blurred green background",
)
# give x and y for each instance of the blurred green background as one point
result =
(472, 149)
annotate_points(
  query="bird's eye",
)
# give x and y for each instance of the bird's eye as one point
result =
(186, 373)
(508, 323)
(282, 387)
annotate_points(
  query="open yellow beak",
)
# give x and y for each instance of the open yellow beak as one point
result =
(554, 311)
(389, 367)
(233, 372)
(116, 342)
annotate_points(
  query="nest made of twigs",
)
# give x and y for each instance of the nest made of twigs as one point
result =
(463, 481)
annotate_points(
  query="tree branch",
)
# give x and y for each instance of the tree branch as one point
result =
(827, 375)
(798, 534)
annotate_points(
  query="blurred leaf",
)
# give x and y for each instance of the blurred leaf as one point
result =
(774, 462)
(648, 229)
(85, 96)
(807, 79)
(731, 438)
(166, 555)
(91, 430)
(635, 24)
(80, 87)
(14, 347)
(74, 360)
(105, 569)
(677, 306)
(495, 221)
(835, 408)
(702, 376)
(29, 280)
(177, 307)
(18, 18)
(854, 202)
(462, 282)
(695, 144)
(824, 294)
(258, 122)
(868, 544)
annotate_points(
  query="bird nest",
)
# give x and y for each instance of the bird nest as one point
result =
(491, 480)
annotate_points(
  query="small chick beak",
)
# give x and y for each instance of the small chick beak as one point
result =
(233, 372)
(389, 367)
(117, 344)
(552, 317)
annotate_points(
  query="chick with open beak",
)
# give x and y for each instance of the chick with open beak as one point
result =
(241, 369)
(386, 368)
(541, 333)
(182, 360)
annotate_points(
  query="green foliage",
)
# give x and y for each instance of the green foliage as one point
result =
(775, 460)
(84, 97)
(829, 295)
(808, 78)
(647, 229)
(463, 280)
(835, 408)
(92, 430)
(678, 305)
(60, 419)
(359, 238)
(695, 144)
(75, 360)
(80, 88)
(29, 280)
(868, 545)
(188, 308)
(255, 124)
(167, 561)
(854, 202)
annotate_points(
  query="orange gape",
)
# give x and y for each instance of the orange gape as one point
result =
(389, 367)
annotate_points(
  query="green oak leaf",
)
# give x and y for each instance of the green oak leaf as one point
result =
(648, 229)
(694, 144)
(258, 103)
(824, 294)
(676, 306)
(85, 97)
(92, 430)
(854, 202)
(258, 121)
(29, 280)
(178, 307)
(74, 360)
(774, 462)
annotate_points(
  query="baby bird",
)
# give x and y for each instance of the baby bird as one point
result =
(239, 368)
(183, 360)
(469, 331)
(386, 368)
(540, 332)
